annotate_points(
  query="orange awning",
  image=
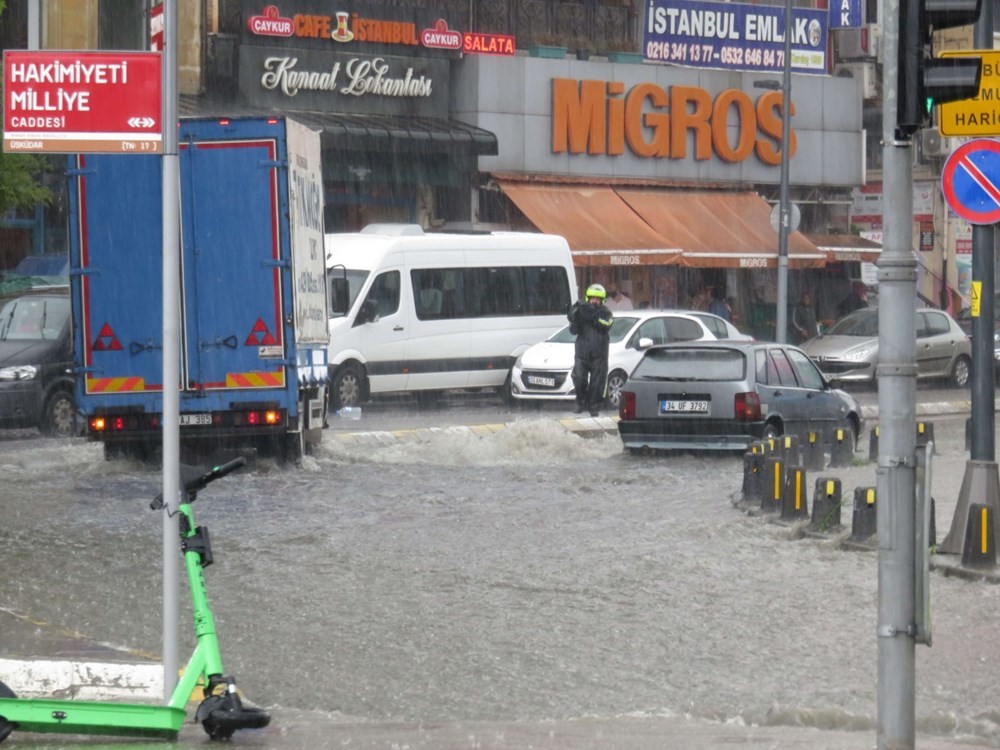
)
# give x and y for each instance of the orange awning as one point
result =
(720, 229)
(599, 226)
(847, 247)
(618, 226)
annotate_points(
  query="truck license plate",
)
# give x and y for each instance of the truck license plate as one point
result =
(195, 419)
(684, 407)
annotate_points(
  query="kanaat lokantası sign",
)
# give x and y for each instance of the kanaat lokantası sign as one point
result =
(81, 102)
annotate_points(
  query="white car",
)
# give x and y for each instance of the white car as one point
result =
(543, 371)
(721, 327)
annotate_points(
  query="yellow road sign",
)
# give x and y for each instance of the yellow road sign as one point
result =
(979, 116)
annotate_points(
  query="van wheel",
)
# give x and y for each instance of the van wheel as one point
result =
(59, 415)
(346, 387)
(616, 381)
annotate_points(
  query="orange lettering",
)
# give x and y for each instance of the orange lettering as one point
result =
(696, 119)
(616, 119)
(598, 117)
(769, 114)
(636, 120)
(579, 123)
(720, 125)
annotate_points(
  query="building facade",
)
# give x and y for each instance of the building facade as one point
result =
(456, 116)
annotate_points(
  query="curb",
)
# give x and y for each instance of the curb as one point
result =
(582, 426)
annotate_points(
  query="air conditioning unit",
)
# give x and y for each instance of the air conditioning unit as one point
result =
(864, 72)
(933, 144)
(858, 43)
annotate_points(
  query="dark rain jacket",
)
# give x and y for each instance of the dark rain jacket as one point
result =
(592, 326)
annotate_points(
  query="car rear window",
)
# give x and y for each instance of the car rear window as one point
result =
(692, 364)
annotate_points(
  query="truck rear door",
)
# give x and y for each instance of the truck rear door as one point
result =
(232, 209)
(118, 295)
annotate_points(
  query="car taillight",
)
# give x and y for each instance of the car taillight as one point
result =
(747, 407)
(626, 407)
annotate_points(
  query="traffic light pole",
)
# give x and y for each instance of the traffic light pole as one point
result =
(896, 472)
(982, 438)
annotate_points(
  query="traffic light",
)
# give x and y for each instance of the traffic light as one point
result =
(924, 80)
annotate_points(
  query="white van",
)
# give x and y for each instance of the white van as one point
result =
(424, 312)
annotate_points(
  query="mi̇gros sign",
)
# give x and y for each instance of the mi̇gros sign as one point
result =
(651, 121)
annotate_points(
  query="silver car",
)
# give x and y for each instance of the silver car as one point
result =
(726, 395)
(848, 349)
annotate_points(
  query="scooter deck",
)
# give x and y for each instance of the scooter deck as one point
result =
(90, 717)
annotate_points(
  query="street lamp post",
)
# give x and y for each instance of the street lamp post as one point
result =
(784, 207)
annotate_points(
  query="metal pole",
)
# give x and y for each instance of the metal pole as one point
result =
(896, 473)
(34, 24)
(982, 437)
(171, 351)
(781, 318)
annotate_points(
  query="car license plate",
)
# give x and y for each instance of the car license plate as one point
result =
(683, 407)
(539, 380)
(195, 419)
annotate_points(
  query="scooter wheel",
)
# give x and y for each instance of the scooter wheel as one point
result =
(5, 726)
(223, 715)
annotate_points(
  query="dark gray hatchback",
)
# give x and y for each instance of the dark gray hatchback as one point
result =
(36, 362)
(726, 395)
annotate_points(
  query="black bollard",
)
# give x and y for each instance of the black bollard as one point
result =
(790, 449)
(980, 549)
(864, 520)
(793, 501)
(753, 475)
(813, 457)
(826, 504)
(968, 434)
(842, 449)
(873, 444)
(774, 481)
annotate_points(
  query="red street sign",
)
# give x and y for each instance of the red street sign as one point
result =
(971, 181)
(82, 102)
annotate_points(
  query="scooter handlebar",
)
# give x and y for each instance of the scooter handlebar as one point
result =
(200, 481)
(217, 472)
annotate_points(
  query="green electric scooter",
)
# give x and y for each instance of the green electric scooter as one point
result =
(221, 712)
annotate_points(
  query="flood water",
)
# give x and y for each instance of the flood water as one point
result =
(526, 575)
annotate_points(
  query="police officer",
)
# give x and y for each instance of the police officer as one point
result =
(591, 322)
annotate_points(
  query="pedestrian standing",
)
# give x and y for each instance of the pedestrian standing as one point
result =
(591, 321)
(804, 319)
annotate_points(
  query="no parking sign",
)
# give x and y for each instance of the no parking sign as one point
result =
(971, 181)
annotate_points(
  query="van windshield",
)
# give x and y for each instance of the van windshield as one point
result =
(355, 281)
(33, 318)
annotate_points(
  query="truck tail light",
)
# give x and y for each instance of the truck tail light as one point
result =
(626, 408)
(747, 407)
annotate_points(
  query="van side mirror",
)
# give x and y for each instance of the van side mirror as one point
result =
(340, 295)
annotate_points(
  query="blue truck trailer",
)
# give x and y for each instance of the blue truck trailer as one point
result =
(253, 294)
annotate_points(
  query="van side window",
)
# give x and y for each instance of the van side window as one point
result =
(384, 292)
(511, 291)
(428, 295)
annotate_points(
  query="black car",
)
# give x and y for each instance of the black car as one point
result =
(36, 362)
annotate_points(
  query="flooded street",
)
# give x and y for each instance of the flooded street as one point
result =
(522, 576)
